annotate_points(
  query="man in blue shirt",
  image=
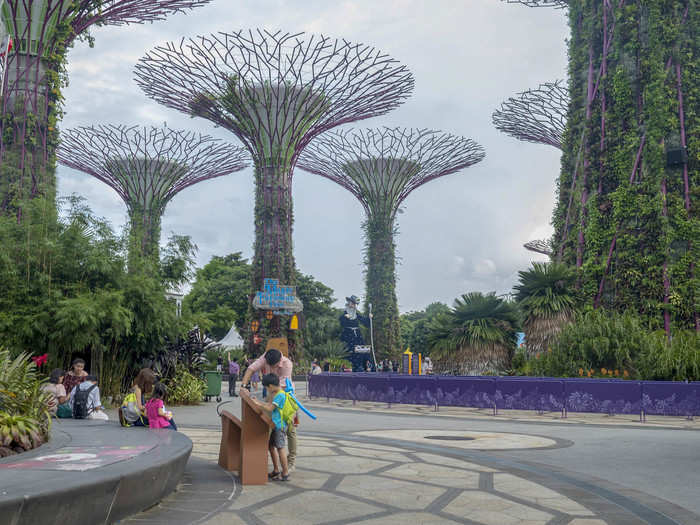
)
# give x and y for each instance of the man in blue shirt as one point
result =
(278, 437)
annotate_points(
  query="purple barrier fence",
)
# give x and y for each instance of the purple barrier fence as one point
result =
(667, 398)
(543, 394)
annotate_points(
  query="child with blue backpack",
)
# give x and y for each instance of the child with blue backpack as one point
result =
(282, 409)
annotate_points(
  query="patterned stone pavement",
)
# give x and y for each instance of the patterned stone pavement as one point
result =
(371, 479)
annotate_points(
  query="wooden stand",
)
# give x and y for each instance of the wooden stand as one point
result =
(244, 443)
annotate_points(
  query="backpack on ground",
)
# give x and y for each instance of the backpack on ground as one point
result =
(80, 402)
(130, 409)
(289, 409)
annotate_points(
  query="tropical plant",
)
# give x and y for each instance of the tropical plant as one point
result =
(677, 359)
(599, 339)
(478, 335)
(24, 414)
(328, 350)
(185, 388)
(546, 295)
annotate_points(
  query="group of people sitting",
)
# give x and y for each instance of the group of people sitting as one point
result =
(74, 393)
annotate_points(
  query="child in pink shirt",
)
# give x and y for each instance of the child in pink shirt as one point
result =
(155, 410)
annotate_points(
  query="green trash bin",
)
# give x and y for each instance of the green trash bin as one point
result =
(213, 380)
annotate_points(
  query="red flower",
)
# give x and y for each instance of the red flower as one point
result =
(40, 360)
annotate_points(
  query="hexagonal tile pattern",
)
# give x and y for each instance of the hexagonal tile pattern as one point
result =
(314, 507)
(401, 494)
(490, 509)
(344, 464)
(437, 474)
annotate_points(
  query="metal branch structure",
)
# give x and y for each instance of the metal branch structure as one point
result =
(539, 246)
(381, 167)
(42, 31)
(275, 92)
(536, 115)
(147, 167)
(558, 4)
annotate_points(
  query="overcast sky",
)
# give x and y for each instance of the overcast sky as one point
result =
(461, 233)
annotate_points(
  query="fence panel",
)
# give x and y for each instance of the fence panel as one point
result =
(604, 396)
(476, 392)
(666, 398)
(412, 390)
(530, 393)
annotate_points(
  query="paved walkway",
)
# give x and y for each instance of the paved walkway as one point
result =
(426, 473)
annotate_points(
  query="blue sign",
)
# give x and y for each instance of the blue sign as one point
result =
(282, 299)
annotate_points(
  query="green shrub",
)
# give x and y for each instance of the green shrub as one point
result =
(674, 360)
(185, 388)
(597, 343)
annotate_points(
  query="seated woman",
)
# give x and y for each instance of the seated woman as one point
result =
(57, 392)
(75, 375)
(133, 411)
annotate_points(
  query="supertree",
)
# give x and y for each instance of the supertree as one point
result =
(147, 166)
(42, 31)
(536, 115)
(275, 92)
(626, 216)
(381, 167)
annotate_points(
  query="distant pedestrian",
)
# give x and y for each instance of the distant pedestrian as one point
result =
(315, 369)
(233, 370)
(219, 363)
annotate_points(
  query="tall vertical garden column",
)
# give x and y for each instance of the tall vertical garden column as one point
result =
(147, 167)
(630, 167)
(381, 167)
(42, 31)
(275, 92)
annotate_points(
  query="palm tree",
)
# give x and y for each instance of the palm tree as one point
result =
(546, 295)
(477, 335)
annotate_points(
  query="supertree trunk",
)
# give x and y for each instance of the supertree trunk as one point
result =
(626, 216)
(273, 252)
(144, 237)
(381, 284)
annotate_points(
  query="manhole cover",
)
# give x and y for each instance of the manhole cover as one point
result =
(450, 438)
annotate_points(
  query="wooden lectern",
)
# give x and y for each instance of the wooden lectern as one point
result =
(244, 443)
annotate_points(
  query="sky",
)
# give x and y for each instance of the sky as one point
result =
(460, 233)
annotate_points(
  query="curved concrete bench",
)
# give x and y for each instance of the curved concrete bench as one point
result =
(91, 472)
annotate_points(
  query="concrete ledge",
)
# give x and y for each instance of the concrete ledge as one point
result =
(91, 472)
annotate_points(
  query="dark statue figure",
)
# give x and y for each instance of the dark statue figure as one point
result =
(352, 335)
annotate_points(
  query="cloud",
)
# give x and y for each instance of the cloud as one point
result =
(460, 233)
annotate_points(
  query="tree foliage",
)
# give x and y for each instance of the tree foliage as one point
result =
(477, 335)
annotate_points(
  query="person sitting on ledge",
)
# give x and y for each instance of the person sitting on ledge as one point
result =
(133, 411)
(75, 375)
(85, 400)
(57, 393)
(158, 417)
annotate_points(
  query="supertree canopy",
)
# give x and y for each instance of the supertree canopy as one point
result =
(536, 115)
(147, 166)
(539, 246)
(381, 167)
(275, 92)
(42, 31)
(627, 210)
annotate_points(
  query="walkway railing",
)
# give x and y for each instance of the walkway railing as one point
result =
(606, 396)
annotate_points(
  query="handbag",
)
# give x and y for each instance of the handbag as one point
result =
(64, 411)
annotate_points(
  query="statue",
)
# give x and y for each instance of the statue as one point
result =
(351, 334)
